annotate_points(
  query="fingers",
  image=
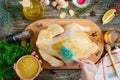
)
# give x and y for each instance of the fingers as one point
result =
(87, 66)
(41, 69)
(83, 67)
(88, 62)
(40, 61)
(14, 67)
(34, 54)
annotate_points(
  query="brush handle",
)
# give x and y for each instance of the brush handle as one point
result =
(89, 67)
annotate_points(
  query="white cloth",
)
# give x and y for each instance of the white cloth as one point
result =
(105, 68)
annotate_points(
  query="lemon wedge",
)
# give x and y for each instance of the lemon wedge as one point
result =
(108, 16)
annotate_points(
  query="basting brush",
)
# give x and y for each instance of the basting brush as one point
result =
(69, 55)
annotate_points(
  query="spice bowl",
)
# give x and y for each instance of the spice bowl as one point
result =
(28, 67)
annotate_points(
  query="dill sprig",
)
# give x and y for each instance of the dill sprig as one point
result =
(9, 54)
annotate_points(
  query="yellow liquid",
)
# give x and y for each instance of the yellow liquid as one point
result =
(57, 45)
(28, 67)
(35, 12)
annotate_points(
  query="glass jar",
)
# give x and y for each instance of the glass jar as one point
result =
(32, 9)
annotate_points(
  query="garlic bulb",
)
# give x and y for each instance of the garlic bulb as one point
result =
(45, 2)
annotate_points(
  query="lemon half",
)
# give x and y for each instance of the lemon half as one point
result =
(108, 16)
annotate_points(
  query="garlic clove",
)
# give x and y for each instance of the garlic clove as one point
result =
(45, 2)
(71, 12)
(63, 15)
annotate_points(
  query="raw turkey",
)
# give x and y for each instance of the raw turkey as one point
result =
(73, 36)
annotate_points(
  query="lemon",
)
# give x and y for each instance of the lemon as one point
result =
(108, 16)
(106, 37)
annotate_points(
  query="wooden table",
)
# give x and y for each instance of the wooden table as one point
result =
(51, 12)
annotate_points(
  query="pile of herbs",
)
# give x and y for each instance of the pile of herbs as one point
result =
(9, 54)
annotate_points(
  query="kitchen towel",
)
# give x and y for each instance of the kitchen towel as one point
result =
(105, 69)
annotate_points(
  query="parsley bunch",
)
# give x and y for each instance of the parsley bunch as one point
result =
(9, 54)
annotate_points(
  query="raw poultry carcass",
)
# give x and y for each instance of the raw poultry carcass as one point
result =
(72, 36)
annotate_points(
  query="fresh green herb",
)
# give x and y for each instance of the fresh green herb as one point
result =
(83, 10)
(9, 54)
(106, 3)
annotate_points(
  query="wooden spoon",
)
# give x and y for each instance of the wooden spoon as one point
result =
(108, 49)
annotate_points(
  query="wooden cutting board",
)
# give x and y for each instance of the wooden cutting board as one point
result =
(95, 35)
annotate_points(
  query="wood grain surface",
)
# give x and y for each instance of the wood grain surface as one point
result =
(52, 13)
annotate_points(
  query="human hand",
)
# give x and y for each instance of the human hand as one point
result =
(36, 56)
(86, 74)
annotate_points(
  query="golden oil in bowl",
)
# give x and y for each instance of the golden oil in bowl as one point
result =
(27, 67)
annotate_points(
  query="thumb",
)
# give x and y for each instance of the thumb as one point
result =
(83, 67)
(14, 67)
